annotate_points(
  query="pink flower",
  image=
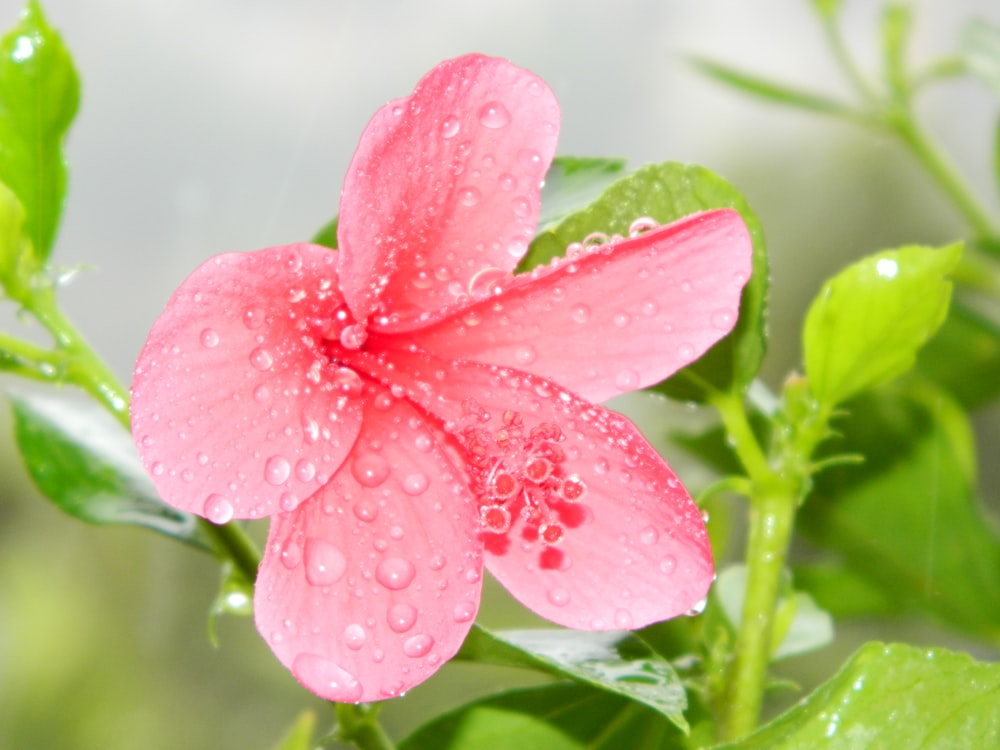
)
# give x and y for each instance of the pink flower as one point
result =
(407, 410)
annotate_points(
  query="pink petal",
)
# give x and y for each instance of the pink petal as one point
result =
(368, 587)
(610, 322)
(629, 546)
(442, 196)
(236, 411)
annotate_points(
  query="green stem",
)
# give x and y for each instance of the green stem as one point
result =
(773, 500)
(905, 127)
(358, 725)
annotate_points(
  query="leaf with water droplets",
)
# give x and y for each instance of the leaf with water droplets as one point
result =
(84, 463)
(893, 696)
(667, 192)
(551, 717)
(615, 662)
(39, 94)
(867, 323)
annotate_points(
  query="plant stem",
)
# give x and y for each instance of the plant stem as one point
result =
(358, 725)
(773, 500)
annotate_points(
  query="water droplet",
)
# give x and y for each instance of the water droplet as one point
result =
(366, 510)
(580, 313)
(450, 126)
(522, 207)
(291, 555)
(395, 573)
(401, 617)
(289, 501)
(370, 469)
(558, 596)
(305, 470)
(508, 182)
(623, 619)
(253, 318)
(649, 535)
(649, 308)
(722, 319)
(685, 352)
(494, 115)
(353, 336)
(218, 509)
(415, 484)
(622, 319)
(277, 470)
(325, 564)
(668, 565)
(469, 196)
(293, 262)
(261, 394)
(354, 636)
(464, 611)
(209, 338)
(348, 382)
(525, 355)
(261, 359)
(627, 380)
(327, 678)
(383, 401)
(158, 468)
(641, 225)
(423, 442)
(418, 645)
(437, 562)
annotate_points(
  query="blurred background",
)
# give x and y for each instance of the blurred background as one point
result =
(217, 125)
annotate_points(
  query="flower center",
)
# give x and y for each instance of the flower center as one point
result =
(519, 475)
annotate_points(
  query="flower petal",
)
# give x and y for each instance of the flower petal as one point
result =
(368, 587)
(617, 319)
(442, 196)
(593, 529)
(236, 411)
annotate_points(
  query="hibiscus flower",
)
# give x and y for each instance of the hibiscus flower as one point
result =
(407, 410)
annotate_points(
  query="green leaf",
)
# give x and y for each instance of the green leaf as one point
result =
(776, 93)
(552, 717)
(300, 734)
(667, 192)
(897, 24)
(16, 254)
(907, 521)
(893, 696)
(327, 236)
(86, 464)
(616, 662)
(867, 323)
(979, 47)
(829, 9)
(39, 95)
(843, 592)
(571, 184)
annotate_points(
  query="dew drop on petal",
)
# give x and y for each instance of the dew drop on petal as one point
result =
(558, 596)
(508, 182)
(469, 196)
(291, 555)
(218, 509)
(494, 115)
(401, 617)
(289, 501)
(668, 565)
(370, 469)
(580, 313)
(463, 612)
(627, 380)
(366, 510)
(418, 645)
(722, 319)
(395, 573)
(649, 535)
(325, 564)
(415, 484)
(354, 636)
(261, 394)
(305, 470)
(685, 352)
(293, 262)
(253, 318)
(525, 355)
(649, 308)
(622, 319)
(327, 678)
(209, 338)
(261, 359)
(623, 619)
(277, 470)
(450, 126)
